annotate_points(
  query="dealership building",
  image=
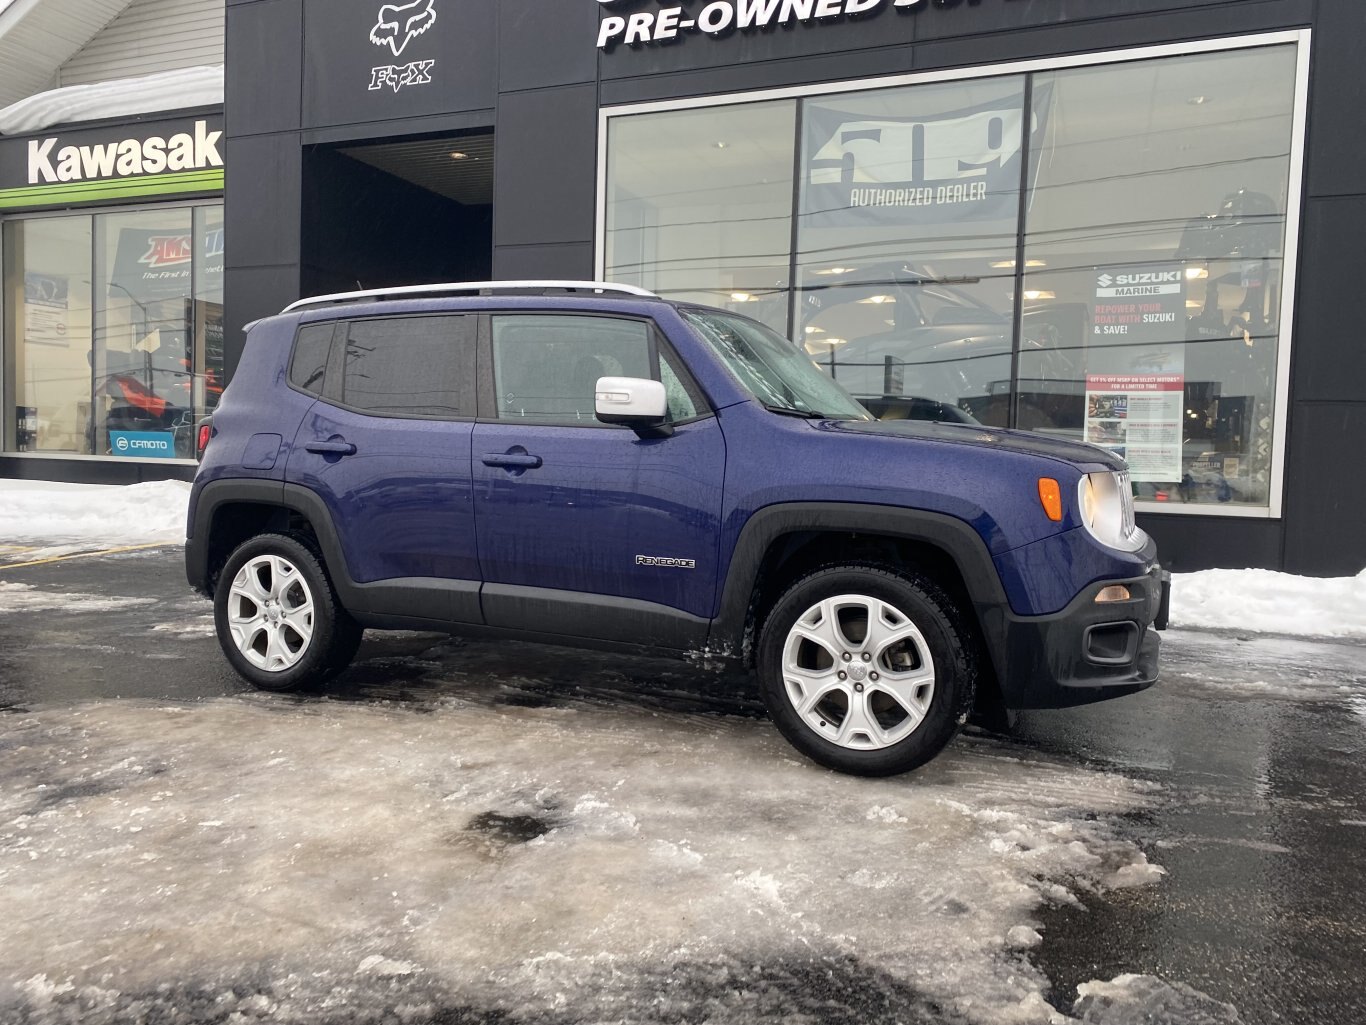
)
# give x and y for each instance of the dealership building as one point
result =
(1133, 222)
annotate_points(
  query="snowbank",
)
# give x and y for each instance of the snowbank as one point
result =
(1260, 601)
(48, 516)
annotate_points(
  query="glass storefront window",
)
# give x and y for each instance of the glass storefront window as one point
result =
(113, 336)
(47, 336)
(1160, 213)
(908, 199)
(700, 205)
(1096, 252)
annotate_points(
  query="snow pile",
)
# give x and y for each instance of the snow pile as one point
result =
(163, 90)
(1148, 1000)
(27, 598)
(485, 862)
(1261, 601)
(56, 518)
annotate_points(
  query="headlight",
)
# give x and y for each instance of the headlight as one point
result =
(1106, 502)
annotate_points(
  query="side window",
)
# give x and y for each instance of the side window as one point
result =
(411, 366)
(546, 367)
(309, 363)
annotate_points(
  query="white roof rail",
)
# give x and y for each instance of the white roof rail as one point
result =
(483, 287)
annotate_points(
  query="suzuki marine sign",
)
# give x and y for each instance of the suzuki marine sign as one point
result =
(723, 16)
(151, 158)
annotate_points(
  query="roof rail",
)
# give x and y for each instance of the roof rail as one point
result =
(455, 287)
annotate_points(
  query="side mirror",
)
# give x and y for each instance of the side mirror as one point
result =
(632, 401)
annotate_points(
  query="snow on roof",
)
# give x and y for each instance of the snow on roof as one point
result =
(165, 90)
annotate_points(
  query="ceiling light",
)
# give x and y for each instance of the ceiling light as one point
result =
(1196, 273)
(834, 341)
(1035, 293)
(719, 145)
(878, 299)
(457, 155)
(813, 330)
(1010, 264)
(1196, 101)
(836, 270)
(741, 297)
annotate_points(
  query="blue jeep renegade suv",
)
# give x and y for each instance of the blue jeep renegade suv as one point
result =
(588, 464)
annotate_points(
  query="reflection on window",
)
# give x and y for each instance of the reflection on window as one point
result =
(47, 334)
(700, 205)
(410, 366)
(546, 368)
(1160, 215)
(123, 362)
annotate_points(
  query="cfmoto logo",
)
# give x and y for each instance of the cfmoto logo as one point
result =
(121, 444)
(1105, 281)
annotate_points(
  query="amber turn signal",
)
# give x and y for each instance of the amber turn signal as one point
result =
(1115, 592)
(1050, 495)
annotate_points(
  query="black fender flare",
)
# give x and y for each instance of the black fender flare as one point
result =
(954, 537)
(272, 494)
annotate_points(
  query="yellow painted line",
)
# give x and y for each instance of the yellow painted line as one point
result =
(17, 548)
(82, 555)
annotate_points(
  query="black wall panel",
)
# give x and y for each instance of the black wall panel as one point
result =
(545, 151)
(542, 44)
(340, 57)
(261, 199)
(573, 261)
(250, 293)
(1190, 543)
(1326, 507)
(263, 36)
(1085, 36)
(1337, 97)
(1330, 345)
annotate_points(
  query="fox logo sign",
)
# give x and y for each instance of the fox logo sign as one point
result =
(399, 23)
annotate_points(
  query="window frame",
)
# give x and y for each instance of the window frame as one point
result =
(1301, 38)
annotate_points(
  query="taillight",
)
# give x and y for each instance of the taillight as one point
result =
(202, 443)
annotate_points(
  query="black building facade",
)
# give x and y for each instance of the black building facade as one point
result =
(1131, 221)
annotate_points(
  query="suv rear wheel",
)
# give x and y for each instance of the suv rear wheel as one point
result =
(867, 670)
(277, 617)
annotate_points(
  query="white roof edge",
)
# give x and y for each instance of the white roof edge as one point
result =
(147, 94)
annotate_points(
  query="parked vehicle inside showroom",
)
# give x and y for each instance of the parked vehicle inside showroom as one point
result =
(588, 464)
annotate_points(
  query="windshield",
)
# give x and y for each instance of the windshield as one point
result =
(775, 371)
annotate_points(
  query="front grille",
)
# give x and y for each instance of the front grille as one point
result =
(1126, 497)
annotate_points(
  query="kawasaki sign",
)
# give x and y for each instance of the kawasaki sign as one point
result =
(725, 16)
(152, 158)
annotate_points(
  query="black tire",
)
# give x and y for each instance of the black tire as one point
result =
(335, 635)
(945, 636)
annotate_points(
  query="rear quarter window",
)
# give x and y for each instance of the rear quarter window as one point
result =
(308, 365)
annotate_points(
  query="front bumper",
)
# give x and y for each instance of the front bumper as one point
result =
(1089, 651)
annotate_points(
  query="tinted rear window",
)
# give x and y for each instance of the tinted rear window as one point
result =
(411, 366)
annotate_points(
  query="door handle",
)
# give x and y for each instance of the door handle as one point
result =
(511, 460)
(331, 448)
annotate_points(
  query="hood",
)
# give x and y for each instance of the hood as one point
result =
(1076, 453)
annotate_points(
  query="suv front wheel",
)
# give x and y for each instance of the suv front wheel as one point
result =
(867, 670)
(277, 617)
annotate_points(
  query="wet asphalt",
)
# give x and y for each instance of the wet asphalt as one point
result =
(1258, 746)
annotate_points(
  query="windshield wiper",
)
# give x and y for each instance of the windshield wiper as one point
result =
(805, 414)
